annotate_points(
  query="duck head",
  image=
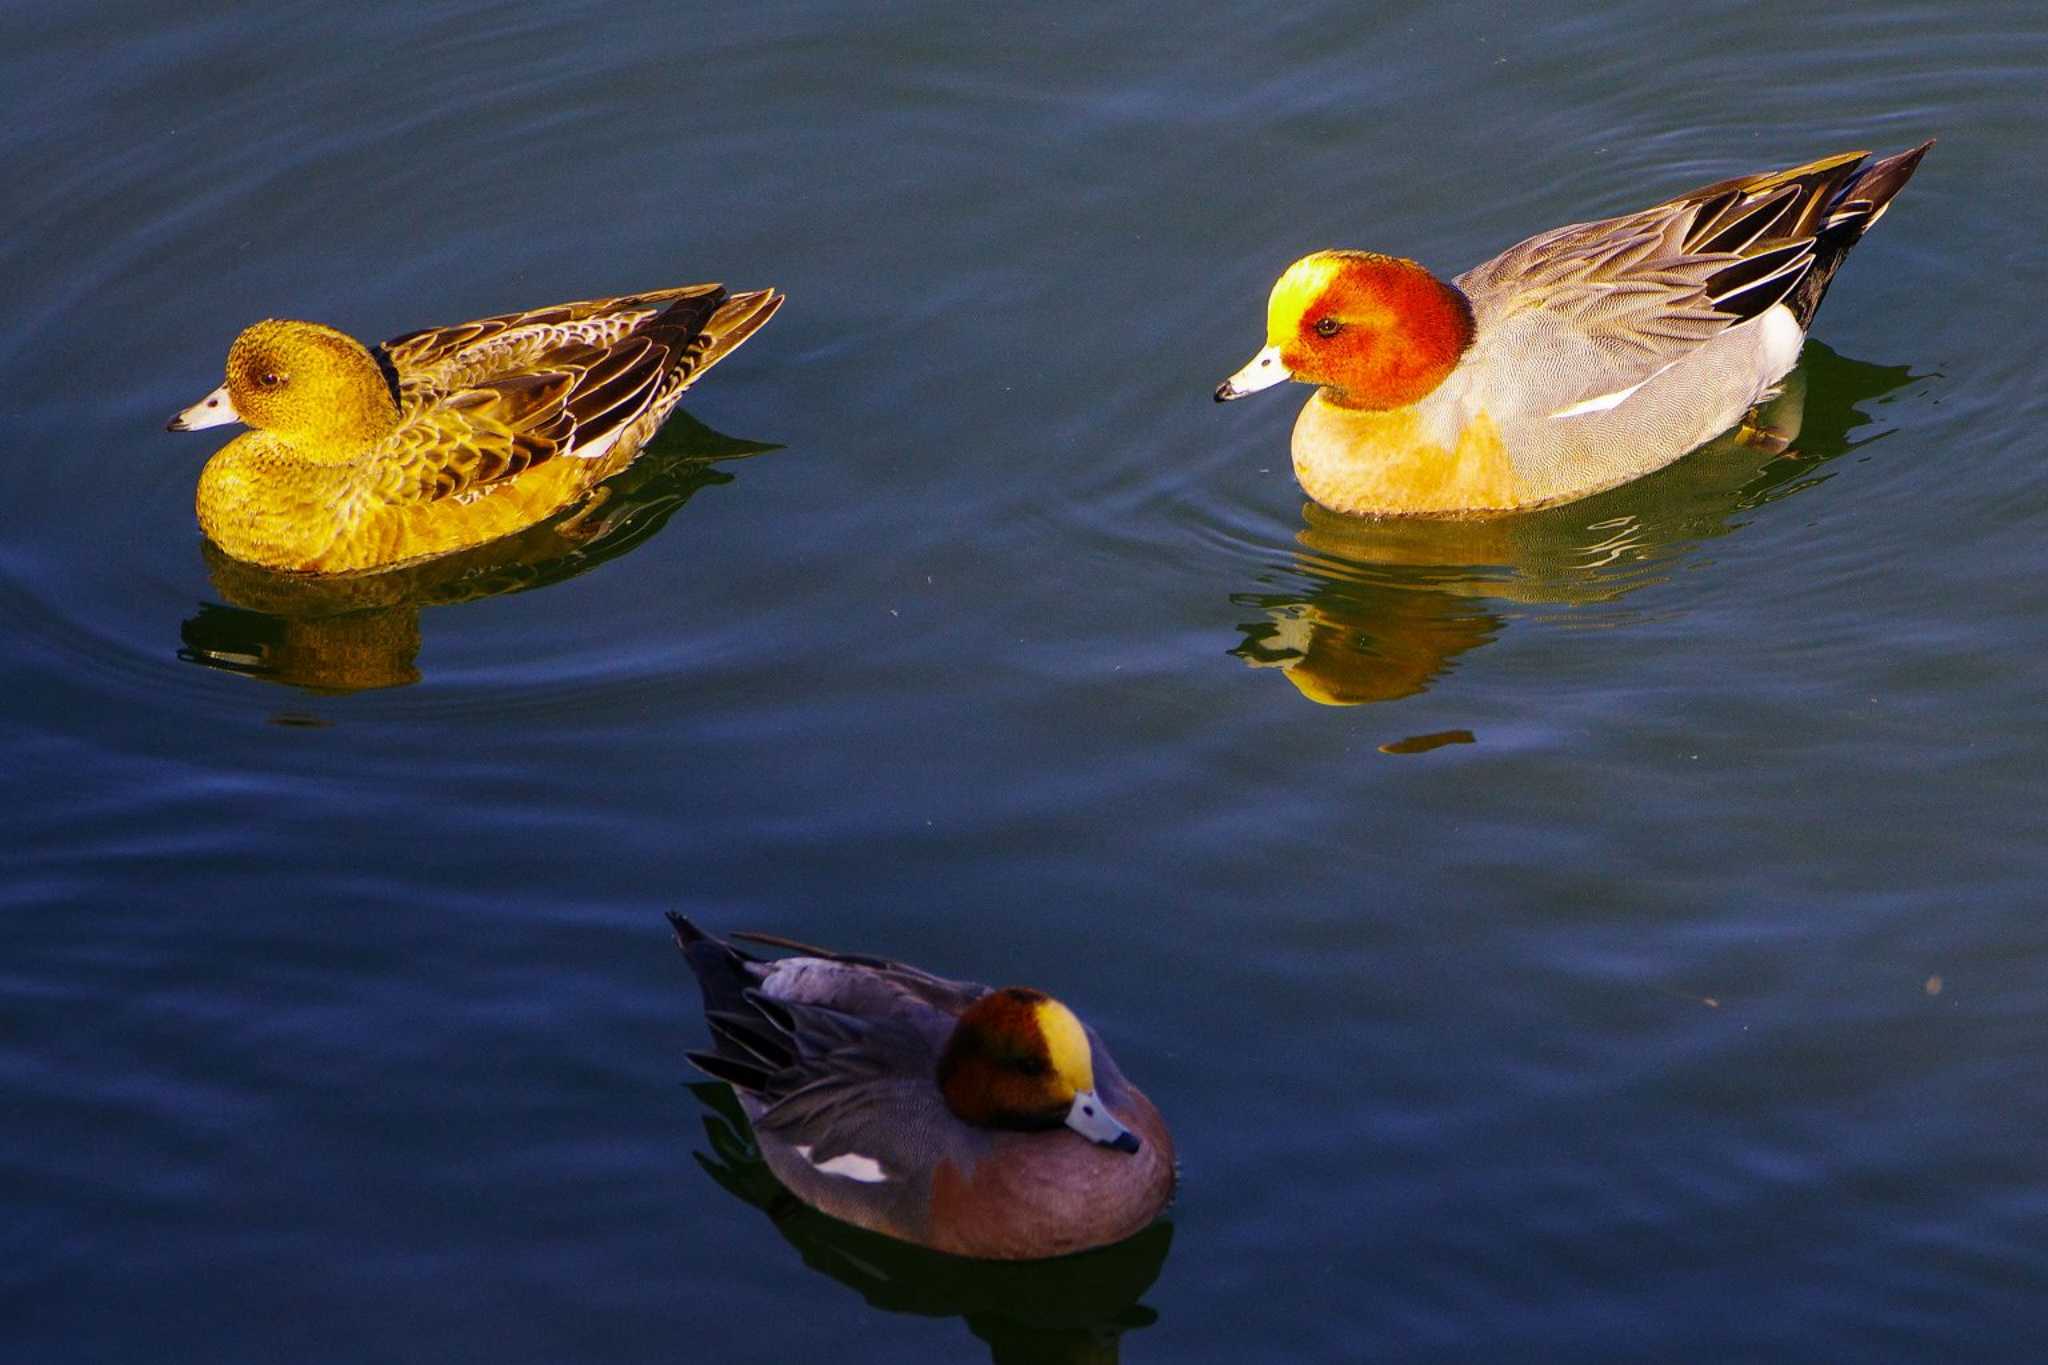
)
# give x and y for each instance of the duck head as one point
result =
(1375, 331)
(318, 388)
(1020, 1059)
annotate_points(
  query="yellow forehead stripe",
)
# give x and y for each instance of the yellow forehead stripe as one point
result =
(1296, 291)
(1066, 1044)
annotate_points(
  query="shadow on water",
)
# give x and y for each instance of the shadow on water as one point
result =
(1389, 605)
(1072, 1310)
(354, 632)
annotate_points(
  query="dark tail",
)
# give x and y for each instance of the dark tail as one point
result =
(720, 331)
(720, 968)
(749, 1033)
(1852, 211)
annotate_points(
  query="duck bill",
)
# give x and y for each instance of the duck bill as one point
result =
(1092, 1120)
(1262, 371)
(214, 410)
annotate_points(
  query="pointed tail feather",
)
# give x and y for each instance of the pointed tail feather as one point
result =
(1852, 211)
(1876, 186)
(720, 968)
(749, 1033)
(736, 319)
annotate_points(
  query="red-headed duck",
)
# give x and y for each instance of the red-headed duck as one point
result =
(1577, 360)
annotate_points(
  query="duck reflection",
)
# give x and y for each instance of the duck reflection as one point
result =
(352, 632)
(1390, 605)
(1070, 1311)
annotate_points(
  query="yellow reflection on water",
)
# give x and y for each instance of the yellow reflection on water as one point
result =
(1389, 605)
(336, 633)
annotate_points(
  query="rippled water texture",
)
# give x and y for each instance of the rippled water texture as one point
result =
(1608, 934)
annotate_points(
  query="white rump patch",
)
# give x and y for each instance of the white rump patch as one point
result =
(851, 1165)
(1782, 338)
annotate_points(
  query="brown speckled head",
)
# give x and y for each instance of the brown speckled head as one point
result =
(310, 384)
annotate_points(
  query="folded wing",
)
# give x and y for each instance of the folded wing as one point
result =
(1612, 303)
(486, 401)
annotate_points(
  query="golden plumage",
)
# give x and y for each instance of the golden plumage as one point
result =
(444, 439)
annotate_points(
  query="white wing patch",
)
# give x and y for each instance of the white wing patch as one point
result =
(1780, 337)
(851, 1165)
(1602, 402)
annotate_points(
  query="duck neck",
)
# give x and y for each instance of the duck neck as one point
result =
(346, 429)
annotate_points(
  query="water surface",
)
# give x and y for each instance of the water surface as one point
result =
(1609, 934)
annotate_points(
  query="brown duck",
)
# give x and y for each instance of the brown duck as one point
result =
(977, 1122)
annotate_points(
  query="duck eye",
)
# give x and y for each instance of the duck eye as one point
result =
(270, 379)
(1327, 327)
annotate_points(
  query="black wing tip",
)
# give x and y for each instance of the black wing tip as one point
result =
(773, 1010)
(717, 965)
(734, 1073)
(1884, 178)
(1866, 195)
(1895, 171)
(686, 317)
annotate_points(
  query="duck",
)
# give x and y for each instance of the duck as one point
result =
(984, 1123)
(362, 458)
(1575, 361)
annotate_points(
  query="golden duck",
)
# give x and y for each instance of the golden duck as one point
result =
(362, 458)
(1572, 362)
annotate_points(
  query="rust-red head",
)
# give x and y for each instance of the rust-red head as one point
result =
(1020, 1059)
(1375, 331)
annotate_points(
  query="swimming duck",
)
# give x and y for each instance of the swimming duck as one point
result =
(443, 439)
(1575, 361)
(979, 1122)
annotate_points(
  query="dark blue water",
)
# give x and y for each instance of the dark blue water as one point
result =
(1610, 934)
